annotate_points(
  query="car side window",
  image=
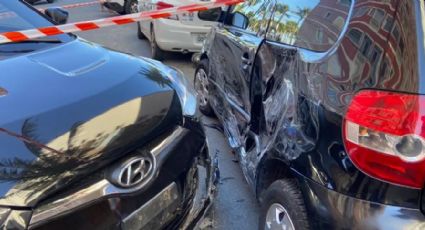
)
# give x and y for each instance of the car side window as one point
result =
(310, 24)
(252, 15)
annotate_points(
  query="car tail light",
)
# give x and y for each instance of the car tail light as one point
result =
(384, 135)
(163, 5)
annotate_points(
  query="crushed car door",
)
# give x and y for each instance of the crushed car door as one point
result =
(236, 44)
(288, 70)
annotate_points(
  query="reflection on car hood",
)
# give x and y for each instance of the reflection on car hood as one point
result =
(72, 109)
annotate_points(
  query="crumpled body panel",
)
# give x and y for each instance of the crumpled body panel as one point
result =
(297, 97)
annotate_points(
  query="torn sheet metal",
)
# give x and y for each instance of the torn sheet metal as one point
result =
(292, 95)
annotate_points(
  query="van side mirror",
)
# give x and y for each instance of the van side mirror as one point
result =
(57, 15)
(240, 20)
(212, 15)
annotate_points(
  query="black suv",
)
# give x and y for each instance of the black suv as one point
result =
(323, 101)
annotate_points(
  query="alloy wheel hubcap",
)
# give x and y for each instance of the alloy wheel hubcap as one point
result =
(134, 8)
(278, 218)
(201, 87)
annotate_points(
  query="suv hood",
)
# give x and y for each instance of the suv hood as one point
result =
(70, 110)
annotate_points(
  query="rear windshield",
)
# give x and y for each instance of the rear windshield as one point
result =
(17, 15)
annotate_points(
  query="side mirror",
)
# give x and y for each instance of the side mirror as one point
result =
(210, 15)
(240, 20)
(57, 15)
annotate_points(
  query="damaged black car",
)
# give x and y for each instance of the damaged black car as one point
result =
(95, 139)
(323, 102)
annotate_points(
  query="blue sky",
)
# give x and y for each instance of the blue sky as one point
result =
(293, 6)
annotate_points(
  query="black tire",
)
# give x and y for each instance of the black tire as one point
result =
(157, 53)
(205, 108)
(140, 34)
(128, 5)
(287, 194)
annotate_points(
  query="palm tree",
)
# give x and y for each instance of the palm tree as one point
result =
(255, 24)
(156, 76)
(250, 14)
(246, 3)
(251, 2)
(291, 29)
(283, 10)
(302, 13)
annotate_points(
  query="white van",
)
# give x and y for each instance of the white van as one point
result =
(183, 32)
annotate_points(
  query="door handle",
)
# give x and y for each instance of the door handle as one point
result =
(245, 61)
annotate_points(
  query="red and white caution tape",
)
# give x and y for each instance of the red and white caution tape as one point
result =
(22, 35)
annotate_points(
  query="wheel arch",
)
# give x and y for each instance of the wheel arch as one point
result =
(270, 169)
(203, 56)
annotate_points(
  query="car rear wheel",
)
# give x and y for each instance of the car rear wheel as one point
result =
(140, 34)
(157, 53)
(283, 207)
(131, 7)
(201, 87)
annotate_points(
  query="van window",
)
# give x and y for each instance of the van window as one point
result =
(309, 24)
(257, 13)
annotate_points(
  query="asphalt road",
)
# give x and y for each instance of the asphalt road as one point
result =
(235, 206)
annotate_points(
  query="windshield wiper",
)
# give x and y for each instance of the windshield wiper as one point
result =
(35, 41)
(41, 41)
(17, 51)
(32, 41)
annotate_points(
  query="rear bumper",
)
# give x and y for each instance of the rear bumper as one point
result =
(328, 209)
(172, 35)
